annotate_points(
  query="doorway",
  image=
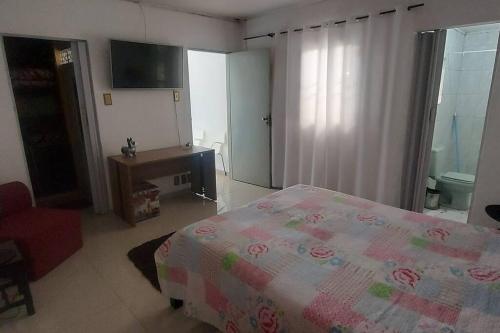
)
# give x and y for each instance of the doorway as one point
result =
(466, 77)
(230, 111)
(209, 107)
(43, 81)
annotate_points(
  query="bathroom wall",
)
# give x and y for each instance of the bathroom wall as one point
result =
(467, 73)
(478, 62)
(452, 67)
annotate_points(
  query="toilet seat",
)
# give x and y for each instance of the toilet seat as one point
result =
(458, 177)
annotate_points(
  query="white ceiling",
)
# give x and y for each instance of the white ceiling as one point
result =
(224, 8)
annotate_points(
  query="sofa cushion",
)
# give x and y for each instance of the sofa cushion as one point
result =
(14, 198)
(33, 221)
(45, 236)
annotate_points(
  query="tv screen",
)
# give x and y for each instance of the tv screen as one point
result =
(140, 65)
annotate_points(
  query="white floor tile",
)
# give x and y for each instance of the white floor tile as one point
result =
(99, 290)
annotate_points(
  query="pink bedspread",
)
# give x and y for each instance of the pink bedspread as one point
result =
(311, 260)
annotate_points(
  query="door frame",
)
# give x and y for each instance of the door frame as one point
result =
(90, 126)
(228, 113)
(425, 95)
(495, 80)
(428, 152)
(229, 139)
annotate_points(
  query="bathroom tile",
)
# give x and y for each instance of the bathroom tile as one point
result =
(451, 82)
(471, 105)
(474, 82)
(454, 41)
(484, 60)
(486, 80)
(477, 41)
(470, 130)
(453, 61)
(441, 130)
(446, 108)
(477, 130)
(482, 108)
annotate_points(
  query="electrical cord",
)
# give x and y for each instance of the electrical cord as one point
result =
(144, 20)
(177, 121)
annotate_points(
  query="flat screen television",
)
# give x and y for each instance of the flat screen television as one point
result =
(141, 65)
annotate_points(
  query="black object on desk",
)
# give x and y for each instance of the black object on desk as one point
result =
(13, 272)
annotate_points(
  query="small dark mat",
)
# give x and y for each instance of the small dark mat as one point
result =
(143, 258)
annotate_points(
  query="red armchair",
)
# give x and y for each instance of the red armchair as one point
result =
(46, 237)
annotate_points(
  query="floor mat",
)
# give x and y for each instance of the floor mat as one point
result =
(143, 258)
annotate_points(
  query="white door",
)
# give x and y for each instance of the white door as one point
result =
(249, 115)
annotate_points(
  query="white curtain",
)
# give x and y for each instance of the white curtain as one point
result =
(278, 110)
(345, 119)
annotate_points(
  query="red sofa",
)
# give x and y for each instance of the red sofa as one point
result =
(45, 237)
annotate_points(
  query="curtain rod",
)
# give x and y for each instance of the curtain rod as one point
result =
(358, 18)
(271, 35)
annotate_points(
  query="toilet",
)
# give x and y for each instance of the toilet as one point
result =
(456, 187)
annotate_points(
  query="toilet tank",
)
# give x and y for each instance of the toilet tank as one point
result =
(437, 162)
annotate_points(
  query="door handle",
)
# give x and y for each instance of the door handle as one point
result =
(267, 120)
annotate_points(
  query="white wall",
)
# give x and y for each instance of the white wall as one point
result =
(435, 14)
(208, 97)
(146, 115)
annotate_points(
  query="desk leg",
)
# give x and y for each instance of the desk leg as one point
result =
(208, 175)
(127, 191)
(115, 188)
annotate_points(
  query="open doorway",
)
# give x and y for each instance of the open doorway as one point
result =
(469, 60)
(230, 111)
(43, 80)
(209, 103)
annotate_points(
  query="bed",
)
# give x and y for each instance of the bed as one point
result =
(312, 260)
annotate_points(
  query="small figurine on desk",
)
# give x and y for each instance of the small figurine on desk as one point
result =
(187, 146)
(129, 150)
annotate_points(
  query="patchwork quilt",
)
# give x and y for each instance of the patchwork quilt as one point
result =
(312, 260)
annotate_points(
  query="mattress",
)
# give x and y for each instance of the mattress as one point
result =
(312, 260)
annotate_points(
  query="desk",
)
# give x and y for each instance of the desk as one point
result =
(125, 173)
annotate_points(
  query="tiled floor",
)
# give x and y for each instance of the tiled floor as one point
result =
(99, 290)
(449, 213)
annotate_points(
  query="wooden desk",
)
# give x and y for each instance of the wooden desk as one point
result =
(125, 173)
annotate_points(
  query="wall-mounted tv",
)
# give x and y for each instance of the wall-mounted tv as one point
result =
(141, 65)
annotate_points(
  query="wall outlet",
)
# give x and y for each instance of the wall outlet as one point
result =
(183, 179)
(107, 99)
(176, 180)
(177, 96)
